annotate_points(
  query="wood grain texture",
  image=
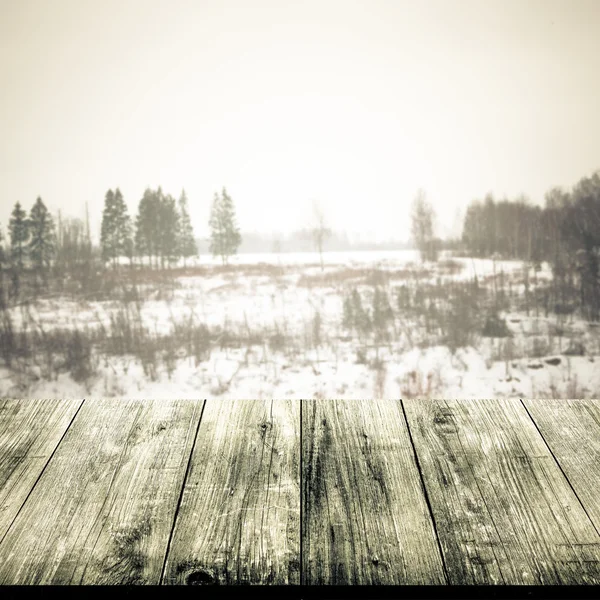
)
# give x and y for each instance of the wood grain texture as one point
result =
(30, 431)
(571, 429)
(504, 511)
(365, 516)
(103, 510)
(239, 517)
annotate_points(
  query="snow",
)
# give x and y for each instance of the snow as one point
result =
(239, 300)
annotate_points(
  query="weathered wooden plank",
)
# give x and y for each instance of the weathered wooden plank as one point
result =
(30, 431)
(239, 517)
(365, 518)
(571, 429)
(504, 511)
(103, 510)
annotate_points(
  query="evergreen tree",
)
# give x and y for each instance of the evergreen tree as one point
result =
(115, 235)
(225, 236)
(107, 229)
(187, 242)
(169, 228)
(19, 233)
(123, 239)
(215, 226)
(148, 225)
(42, 240)
(158, 226)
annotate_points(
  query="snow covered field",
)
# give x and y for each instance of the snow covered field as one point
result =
(272, 326)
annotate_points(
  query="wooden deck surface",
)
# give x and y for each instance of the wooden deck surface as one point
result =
(311, 492)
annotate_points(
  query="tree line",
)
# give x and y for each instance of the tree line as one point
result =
(518, 229)
(512, 229)
(32, 236)
(565, 232)
(162, 232)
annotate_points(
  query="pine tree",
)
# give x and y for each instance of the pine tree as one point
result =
(107, 229)
(214, 223)
(147, 225)
(19, 233)
(225, 236)
(123, 239)
(115, 235)
(169, 228)
(187, 242)
(42, 241)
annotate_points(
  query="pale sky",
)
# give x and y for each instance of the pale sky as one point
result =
(354, 104)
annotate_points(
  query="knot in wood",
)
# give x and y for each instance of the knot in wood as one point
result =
(200, 578)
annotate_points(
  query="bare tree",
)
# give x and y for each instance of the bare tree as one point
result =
(320, 231)
(276, 248)
(422, 226)
(72, 246)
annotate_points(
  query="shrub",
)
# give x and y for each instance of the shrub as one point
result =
(78, 355)
(8, 341)
(462, 319)
(575, 349)
(382, 313)
(496, 327)
(316, 329)
(277, 341)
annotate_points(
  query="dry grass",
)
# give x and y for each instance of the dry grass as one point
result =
(363, 276)
(425, 311)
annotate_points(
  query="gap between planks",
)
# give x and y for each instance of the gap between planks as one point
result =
(113, 483)
(51, 424)
(576, 448)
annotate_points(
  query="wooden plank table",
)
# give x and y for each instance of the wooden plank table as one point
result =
(239, 519)
(30, 431)
(505, 512)
(103, 509)
(571, 428)
(312, 492)
(365, 517)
